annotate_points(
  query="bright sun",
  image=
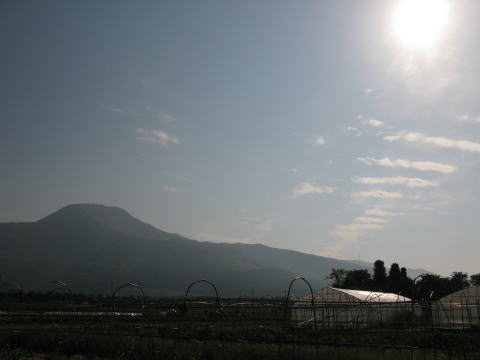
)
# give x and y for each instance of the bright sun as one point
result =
(419, 24)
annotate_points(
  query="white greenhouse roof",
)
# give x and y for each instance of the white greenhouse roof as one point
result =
(470, 295)
(372, 296)
(330, 294)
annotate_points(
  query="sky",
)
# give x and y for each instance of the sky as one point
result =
(347, 129)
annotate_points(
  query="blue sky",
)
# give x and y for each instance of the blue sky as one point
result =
(306, 125)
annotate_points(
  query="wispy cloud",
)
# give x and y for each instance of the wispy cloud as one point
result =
(370, 220)
(373, 122)
(114, 109)
(256, 229)
(435, 140)
(381, 212)
(306, 188)
(373, 219)
(319, 140)
(351, 130)
(469, 118)
(166, 117)
(398, 180)
(353, 231)
(156, 136)
(368, 91)
(418, 165)
(380, 194)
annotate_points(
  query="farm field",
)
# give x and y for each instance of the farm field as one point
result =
(60, 327)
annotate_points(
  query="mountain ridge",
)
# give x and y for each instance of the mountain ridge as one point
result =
(94, 247)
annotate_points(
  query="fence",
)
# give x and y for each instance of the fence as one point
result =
(262, 328)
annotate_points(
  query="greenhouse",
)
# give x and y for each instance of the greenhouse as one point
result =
(344, 308)
(459, 309)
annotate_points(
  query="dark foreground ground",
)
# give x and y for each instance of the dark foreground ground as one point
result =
(63, 327)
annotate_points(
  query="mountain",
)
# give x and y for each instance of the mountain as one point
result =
(96, 247)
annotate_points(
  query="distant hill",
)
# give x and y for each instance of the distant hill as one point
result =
(95, 248)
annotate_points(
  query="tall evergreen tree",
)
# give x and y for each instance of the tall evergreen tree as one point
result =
(379, 276)
(394, 278)
(406, 284)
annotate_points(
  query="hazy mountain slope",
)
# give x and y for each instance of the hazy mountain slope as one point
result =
(96, 247)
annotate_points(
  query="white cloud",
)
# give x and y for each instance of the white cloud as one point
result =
(373, 122)
(369, 220)
(381, 194)
(469, 118)
(319, 140)
(398, 180)
(434, 140)
(418, 165)
(348, 235)
(156, 136)
(392, 137)
(353, 231)
(362, 227)
(332, 250)
(166, 117)
(351, 130)
(368, 91)
(380, 212)
(305, 188)
(114, 109)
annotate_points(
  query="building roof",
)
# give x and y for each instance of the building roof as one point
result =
(330, 294)
(470, 295)
(373, 296)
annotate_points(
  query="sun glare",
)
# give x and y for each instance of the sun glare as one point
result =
(419, 24)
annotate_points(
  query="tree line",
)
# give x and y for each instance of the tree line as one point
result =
(425, 286)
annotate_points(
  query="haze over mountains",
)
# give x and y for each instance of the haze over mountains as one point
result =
(95, 247)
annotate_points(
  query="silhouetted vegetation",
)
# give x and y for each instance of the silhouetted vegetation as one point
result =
(475, 279)
(426, 286)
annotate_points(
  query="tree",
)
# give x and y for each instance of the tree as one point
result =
(475, 279)
(358, 279)
(434, 287)
(379, 275)
(430, 286)
(394, 278)
(406, 284)
(458, 281)
(338, 277)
